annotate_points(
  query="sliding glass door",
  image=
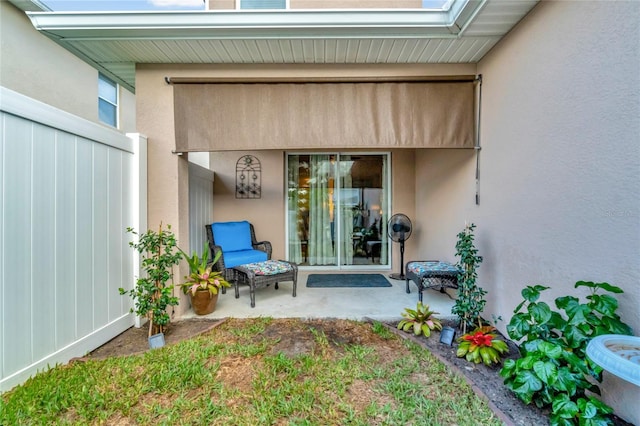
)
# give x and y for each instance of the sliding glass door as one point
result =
(337, 206)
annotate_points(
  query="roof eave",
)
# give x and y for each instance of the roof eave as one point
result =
(254, 24)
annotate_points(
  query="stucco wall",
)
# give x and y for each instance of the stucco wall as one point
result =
(37, 67)
(445, 200)
(560, 161)
(267, 214)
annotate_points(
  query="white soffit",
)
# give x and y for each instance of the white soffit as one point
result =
(115, 41)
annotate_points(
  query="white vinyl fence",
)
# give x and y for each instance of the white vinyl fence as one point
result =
(70, 188)
(200, 205)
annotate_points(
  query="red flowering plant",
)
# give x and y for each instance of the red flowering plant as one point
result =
(483, 345)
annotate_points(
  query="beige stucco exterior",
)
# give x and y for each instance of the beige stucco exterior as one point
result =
(35, 66)
(167, 176)
(559, 166)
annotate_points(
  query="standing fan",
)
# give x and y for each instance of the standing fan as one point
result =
(399, 229)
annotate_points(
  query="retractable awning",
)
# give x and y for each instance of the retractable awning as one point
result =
(290, 115)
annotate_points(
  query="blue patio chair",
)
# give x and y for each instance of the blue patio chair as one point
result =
(237, 241)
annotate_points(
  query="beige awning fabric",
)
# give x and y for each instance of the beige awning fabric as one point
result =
(289, 116)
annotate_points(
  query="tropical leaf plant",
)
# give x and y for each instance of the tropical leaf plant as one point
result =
(420, 320)
(201, 274)
(482, 345)
(553, 368)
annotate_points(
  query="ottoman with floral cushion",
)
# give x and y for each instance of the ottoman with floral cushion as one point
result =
(431, 274)
(261, 274)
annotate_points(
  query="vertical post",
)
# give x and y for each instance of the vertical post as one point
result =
(139, 199)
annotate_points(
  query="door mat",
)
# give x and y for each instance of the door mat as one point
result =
(347, 280)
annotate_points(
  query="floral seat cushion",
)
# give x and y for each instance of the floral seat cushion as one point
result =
(422, 268)
(268, 267)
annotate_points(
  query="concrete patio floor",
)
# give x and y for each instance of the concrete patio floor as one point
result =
(379, 303)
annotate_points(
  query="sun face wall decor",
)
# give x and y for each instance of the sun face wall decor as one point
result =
(248, 177)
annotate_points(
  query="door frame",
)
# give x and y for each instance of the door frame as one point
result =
(386, 208)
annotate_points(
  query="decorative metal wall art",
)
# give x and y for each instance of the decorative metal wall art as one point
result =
(248, 177)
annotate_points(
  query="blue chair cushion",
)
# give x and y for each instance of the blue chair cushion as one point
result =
(232, 236)
(240, 257)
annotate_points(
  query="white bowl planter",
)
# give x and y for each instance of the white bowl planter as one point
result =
(618, 354)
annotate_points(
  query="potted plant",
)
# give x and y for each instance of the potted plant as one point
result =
(203, 284)
(151, 293)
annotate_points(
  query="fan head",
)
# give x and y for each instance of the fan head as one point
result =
(399, 227)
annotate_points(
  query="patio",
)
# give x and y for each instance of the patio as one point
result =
(380, 303)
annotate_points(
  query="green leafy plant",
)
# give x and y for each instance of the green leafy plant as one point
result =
(470, 301)
(420, 320)
(152, 294)
(483, 345)
(553, 369)
(201, 276)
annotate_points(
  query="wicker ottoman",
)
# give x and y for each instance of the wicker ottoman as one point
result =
(431, 274)
(261, 274)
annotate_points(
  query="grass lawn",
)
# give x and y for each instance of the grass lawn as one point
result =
(257, 372)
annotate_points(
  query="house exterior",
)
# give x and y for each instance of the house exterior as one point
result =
(550, 179)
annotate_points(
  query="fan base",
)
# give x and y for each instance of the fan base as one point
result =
(397, 276)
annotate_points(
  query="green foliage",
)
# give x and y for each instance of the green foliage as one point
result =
(585, 411)
(420, 320)
(151, 293)
(470, 301)
(553, 369)
(482, 345)
(201, 276)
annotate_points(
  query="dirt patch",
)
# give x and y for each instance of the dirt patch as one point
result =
(134, 340)
(293, 339)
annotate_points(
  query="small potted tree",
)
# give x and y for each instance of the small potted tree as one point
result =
(152, 294)
(470, 301)
(203, 284)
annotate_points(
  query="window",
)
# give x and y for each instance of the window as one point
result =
(263, 4)
(107, 101)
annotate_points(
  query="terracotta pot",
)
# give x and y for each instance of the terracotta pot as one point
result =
(203, 302)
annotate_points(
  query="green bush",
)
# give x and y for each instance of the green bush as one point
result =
(470, 301)
(553, 369)
(152, 294)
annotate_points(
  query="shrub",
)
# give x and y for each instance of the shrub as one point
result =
(470, 301)
(553, 369)
(151, 293)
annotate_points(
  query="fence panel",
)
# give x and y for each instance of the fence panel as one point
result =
(70, 188)
(200, 204)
